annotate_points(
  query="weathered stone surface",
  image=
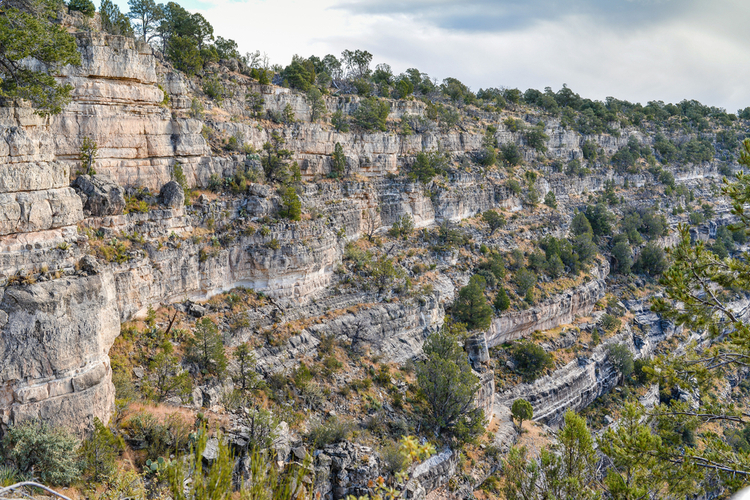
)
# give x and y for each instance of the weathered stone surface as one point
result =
(101, 195)
(559, 310)
(172, 195)
(54, 349)
(345, 469)
(33, 211)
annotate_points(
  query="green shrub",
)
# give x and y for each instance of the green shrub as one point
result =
(330, 432)
(514, 186)
(372, 114)
(530, 360)
(651, 260)
(214, 89)
(511, 154)
(339, 121)
(610, 323)
(161, 438)
(86, 7)
(33, 447)
(622, 359)
(100, 451)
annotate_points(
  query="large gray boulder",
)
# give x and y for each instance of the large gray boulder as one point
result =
(101, 195)
(172, 195)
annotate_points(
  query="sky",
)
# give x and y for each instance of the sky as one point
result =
(637, 50)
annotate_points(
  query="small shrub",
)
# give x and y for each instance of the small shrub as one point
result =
(86, 7)
(214, 89)
(531, 360)
(100, 451)
(35, 447)
(330, 432)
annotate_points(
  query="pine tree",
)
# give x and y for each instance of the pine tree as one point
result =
(291, 204)
(448, 386)
(338, 162)
(246, 376)
(206, 348)
(317, 104)
(502, 301)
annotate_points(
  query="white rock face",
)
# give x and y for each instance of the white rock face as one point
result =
(54, 342)
(559, 310)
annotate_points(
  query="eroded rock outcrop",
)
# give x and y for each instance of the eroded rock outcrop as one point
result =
(558, 310)
(54, 342)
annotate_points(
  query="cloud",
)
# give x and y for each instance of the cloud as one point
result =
(513, 15)
(638, 50)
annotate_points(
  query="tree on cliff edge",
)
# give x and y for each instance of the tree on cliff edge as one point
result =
(471, 307)
(448, 387)
(27, 32)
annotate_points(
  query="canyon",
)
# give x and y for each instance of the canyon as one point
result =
(63, 301)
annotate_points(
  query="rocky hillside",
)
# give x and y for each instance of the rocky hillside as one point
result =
(182, 220)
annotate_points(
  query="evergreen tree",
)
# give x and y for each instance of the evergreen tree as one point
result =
(448, 387)
(700, 290)
(580, 224)
(371, 114)
(246, 376)
(651, 260)
(494, 220)
(147, 16)
(338, 161)
(521, 410)
(471, 307)
(276, 159)
(28, 32)
(206, 348)
(291, 204)
(114, 21)
(550, 200)
(622, 254)
(566, 470)
(502, 301)
(89, 151)
(317, 104)
(100, 451)
(166, 377)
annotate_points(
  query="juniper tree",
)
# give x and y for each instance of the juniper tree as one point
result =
(494, 220)
(448, 386)
(521, 410)
(27, 32)
(317, 104)
(471, 307)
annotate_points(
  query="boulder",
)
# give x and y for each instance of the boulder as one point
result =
(100, 195)
(172, 195)
(211, 452)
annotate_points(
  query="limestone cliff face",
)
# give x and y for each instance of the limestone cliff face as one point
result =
(117, 103)
(54, 341)
(580, 382)
(55, 335)
(35, 192)
(558, 310)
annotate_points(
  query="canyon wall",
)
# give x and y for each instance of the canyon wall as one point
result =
(67, 308)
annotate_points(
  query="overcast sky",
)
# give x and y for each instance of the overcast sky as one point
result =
(639, 50)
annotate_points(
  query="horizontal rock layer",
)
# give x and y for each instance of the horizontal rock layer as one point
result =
(54, 342)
